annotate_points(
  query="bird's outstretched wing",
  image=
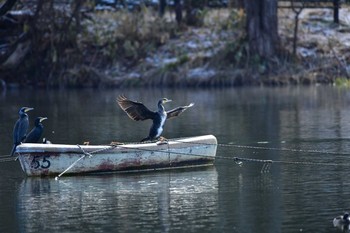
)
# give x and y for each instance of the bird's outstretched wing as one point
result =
(177, 111)
(135, 110)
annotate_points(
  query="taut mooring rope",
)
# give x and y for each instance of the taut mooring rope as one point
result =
(237, 160)
(264, 148)
(7, 158)
(84, 155)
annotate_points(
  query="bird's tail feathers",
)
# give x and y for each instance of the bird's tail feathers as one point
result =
(146, 139)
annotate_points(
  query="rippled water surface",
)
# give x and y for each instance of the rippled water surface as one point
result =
(305, 132)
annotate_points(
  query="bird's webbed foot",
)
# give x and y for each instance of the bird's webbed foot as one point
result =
(115, 143)
(162, 140)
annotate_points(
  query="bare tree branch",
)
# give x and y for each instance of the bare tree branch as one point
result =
(7, 6)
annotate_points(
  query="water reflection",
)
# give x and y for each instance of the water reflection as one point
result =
(230, 198)
(102, 203)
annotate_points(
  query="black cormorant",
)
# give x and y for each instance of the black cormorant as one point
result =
(21, 127)
(35, 134)
(139, 112)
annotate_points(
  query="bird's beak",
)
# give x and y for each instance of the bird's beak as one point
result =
(28, 109)
(43, 118)
(167, 100)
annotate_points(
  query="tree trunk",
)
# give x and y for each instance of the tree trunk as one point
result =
(262, 27)
(178, 11)
(162, 6)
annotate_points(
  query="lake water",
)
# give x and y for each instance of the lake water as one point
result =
(305, 187)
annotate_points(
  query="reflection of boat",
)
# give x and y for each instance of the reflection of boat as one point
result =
(53, 159)
(155, 201)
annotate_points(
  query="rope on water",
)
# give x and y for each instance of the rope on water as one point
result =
(267, 163)
(238, 160)
(264, 148)
(7, 158)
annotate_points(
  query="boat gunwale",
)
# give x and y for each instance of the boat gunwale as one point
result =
(28, 148)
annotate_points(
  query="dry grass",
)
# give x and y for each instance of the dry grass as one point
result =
(139, 48)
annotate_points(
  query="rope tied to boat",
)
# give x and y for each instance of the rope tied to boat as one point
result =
(239, 160)
(85, 153)
(267, 163)
(265, 148)
(7, 158)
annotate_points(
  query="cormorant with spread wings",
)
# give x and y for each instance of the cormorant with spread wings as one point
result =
(139, 112)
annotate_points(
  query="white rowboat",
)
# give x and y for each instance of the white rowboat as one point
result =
(53, 159)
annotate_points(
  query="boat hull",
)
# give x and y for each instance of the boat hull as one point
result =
(53, 159)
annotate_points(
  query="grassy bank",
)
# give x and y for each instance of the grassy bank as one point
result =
(123, 49)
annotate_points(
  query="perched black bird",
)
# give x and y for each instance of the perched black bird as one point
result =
(35, 134)
(139, 112)
(21, 127)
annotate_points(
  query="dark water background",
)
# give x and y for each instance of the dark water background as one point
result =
(291, 196)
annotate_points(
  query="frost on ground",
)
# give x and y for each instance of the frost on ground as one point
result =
(317, 34)
(188, 57)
